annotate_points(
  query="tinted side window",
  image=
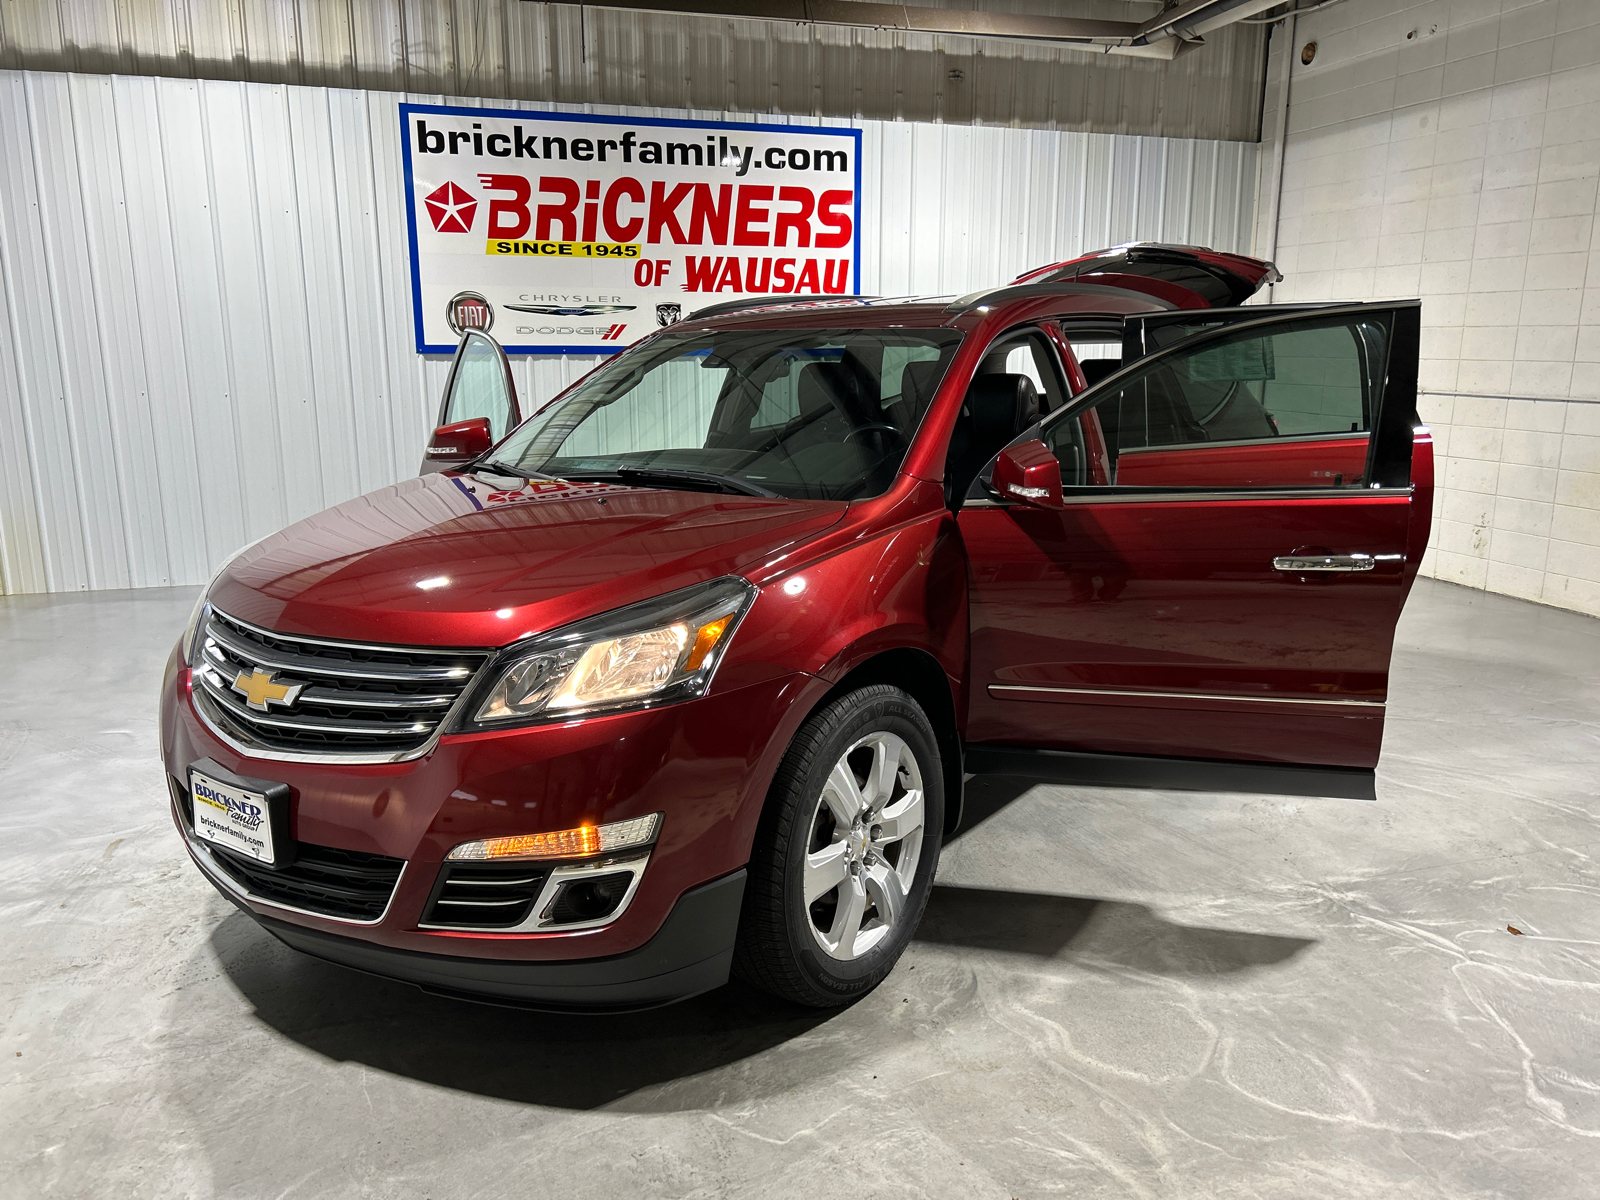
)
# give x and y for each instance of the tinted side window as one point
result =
(479, 387)
(1289, 407)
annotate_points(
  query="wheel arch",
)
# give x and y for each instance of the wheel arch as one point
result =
(918, 673)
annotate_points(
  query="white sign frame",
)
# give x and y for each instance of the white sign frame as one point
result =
(584, 310)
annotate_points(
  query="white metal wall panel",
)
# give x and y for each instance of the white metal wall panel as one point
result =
(571, 54)
(208, 326)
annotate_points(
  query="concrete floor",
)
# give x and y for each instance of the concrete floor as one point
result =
(1115, 994)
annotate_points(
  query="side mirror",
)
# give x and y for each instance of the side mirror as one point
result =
(457, 443)
(1030, 474)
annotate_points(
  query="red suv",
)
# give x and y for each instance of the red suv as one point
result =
(683, 673)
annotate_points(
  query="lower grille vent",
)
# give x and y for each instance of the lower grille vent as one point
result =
(485, 895)
(334, 883)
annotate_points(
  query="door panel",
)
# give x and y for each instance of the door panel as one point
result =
(1148, 616)
(1298, 462)
(1163, 627)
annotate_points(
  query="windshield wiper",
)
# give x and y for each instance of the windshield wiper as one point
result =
(677, 475)
(503, 468)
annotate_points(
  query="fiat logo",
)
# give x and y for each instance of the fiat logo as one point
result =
(468, 310)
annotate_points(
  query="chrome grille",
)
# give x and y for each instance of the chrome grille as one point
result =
(346, 699)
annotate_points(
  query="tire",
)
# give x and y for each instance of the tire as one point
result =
(869, 878)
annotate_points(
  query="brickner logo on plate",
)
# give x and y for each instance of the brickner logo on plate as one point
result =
(585, 233)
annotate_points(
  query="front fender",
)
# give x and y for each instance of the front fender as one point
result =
(903, 588)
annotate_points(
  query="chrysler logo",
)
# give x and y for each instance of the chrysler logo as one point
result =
(450, 209)
(259, 690)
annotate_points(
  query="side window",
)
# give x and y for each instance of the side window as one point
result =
(1031, 356)
(480, 386)
(1098, 355)
(1288, 407)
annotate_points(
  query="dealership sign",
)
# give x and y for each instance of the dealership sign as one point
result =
(577, 234)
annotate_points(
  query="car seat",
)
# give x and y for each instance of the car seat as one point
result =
(918, 382)
(997, 408)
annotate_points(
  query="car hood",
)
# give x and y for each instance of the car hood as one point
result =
(463, 560)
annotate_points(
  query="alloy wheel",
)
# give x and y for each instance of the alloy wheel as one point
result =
(866, 839)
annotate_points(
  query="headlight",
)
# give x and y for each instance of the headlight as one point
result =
(663, 649)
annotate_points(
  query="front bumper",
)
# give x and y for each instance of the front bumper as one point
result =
(706, 764)
(690, 954)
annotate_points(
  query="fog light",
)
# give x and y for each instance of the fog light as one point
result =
(582, 842)
(590, 899)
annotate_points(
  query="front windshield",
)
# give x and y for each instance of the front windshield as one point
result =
(824, 414)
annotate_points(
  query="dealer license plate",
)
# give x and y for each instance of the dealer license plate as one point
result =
(232, 817)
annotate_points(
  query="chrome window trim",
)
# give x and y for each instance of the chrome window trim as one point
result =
(537, 919)
(1109, 497)
(1165, 695)
(204, 860)
(1342, 436)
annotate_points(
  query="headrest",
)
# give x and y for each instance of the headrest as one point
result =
(917, 382)
(1001, 406)
(824, 384)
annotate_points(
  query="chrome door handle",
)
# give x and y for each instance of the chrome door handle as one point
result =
(1301, 564)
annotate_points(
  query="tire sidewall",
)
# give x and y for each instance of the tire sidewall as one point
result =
(878, 709)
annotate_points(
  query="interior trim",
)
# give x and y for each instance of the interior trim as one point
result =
(1084, 768)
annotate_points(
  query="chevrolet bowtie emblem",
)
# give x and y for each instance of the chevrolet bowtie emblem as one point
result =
(259, 690)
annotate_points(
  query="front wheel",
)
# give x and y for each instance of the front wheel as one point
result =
(845, 852)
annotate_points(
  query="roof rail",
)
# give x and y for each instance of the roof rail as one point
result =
(744, 302)
(1025, 291)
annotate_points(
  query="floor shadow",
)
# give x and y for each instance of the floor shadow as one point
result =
(566, 1061)
(985, 795)
(580, 1062)
(1106, 932)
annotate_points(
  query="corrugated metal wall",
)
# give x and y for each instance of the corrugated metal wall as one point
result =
(575, 55)
(208, 325)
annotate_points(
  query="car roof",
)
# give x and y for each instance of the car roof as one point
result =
(1024, 301)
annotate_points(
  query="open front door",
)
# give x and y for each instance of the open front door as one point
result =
(479, 406)
(1242, 515)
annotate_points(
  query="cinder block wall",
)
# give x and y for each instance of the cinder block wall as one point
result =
(1448, 149)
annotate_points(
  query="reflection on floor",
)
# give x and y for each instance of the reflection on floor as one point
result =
(1113, 993)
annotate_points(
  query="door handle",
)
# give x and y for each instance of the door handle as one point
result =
(1303, 564)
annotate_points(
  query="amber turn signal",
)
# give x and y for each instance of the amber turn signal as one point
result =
(582, 842)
